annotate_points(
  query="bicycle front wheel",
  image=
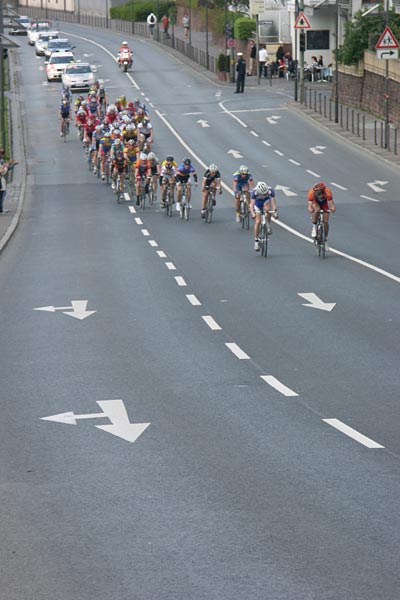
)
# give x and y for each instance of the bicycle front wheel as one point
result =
(209, 209)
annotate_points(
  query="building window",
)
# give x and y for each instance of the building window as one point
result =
(318, 40)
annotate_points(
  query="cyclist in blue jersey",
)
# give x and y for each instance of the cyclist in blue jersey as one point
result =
(183, 175)
(64, 113)
(242, 181)
(262, 199)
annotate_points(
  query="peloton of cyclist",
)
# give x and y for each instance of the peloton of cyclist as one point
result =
(183, 175)
(320, 198)
(262, 199)
(242, 181)
(211, 180)
(168, 175)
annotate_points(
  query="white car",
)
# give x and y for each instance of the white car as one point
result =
(57, 63)
(19, 26)
(79, 76)
(35, 29)
(58, 45)
(43, 40)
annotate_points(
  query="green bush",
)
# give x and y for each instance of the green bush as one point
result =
(218, 22)
(221, 62)
(139, 11)
(244, 28)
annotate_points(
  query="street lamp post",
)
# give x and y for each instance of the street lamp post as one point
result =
(207, 54)
(190, 22)
(387, 86)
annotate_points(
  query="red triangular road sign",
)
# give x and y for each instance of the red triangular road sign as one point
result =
(302, 22)
(387, 40)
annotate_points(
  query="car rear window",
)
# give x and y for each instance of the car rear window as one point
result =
(58, 60)
(79, 69)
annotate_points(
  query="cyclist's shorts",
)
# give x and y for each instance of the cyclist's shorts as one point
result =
(242, 186)
(104, 150)
(183, 178)
(259, 205)
(154, 170)
(132, 159)
(321, 205)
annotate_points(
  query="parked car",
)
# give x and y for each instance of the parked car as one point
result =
(34, 30)
(58, 45)
(43, 40)
(19, 26)
(57, 63)
(79, 76)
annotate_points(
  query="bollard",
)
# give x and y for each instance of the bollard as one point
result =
(352, 120)
(375, 140)
(341, 115)
(325, 107)
(330, 109)
(364, 128)
(320, 103)
(358, 124)
(347, 118)
(381, 134)
(395, 141)
(315, 100)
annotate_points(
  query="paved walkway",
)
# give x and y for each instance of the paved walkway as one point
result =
(317, 109)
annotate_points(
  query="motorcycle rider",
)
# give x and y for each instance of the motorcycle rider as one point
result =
(124, 51)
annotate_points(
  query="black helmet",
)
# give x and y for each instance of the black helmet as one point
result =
(187, 161)
(170, 159)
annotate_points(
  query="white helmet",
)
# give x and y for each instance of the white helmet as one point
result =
(262, 188)
(243, 169)
(117, 142)
(151, 155)
(124, 43)
(143, 156)
(213, 168)
(130, 127)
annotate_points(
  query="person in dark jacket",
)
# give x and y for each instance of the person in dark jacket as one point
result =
(240, 73)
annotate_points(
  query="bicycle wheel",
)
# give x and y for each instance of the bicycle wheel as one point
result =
(98, 164)
(242, 212)
(90, 159)
(263, 239)
(117, 190)
(209, 209)
(247, 217)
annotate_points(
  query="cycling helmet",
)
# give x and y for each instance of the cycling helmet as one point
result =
(99, 128)
(124, 43)
(130, 127)
(319, 187)
(143, 156)
(151, 156)
(84, 102)
(65, 101)
(101, 87)
(262, 188)
(112, 108)
(116, 131)
(81, 112)
(213, 168)
(243, 169)
(187, 161)
(107, 134)
(145, 121)
(131, 142)
(170, 159)
(117, 142)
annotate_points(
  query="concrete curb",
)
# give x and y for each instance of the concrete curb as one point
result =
(18, 147)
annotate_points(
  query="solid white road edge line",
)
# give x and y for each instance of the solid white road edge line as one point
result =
(211, 323)
(359, 437)
(193, 300)
(237, 351)
(280, 387)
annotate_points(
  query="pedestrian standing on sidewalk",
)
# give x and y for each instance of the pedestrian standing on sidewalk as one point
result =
(262, 60)
(186, 24)
(5, 167)
(240, 73)
(252, 61)
(165, 24)
(151, 22)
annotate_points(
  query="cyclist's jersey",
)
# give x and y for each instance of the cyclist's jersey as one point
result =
(153, 165)
(112, 117)
(81, 119)
(145, 130)
(143, 166)
(101, 95)
(129, 135)
(323, 200)
(130, 153)
(119, 161)
(210, 177)
(174, 164)
(261, 199)
(168, 171)
(185, 171)
(90, 128)
(238, 177)
(93, 107)
(105, 145)
(65, 111)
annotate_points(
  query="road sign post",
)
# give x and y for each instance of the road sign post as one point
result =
(302, 23)
(387, 48)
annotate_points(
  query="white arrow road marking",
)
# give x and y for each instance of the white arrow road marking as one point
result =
(368, 198)
(235, 153)
(237, 351)
(78, 308)
(203, 123)
(193, 300)
(273, 119)
(286, 190)
(315, 302)
(318, 149)
(375, 185)
(359, 437)
(115, 411)
(275, 383)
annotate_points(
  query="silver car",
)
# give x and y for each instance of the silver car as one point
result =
(79, 76)
(43, 40)
(58, 45)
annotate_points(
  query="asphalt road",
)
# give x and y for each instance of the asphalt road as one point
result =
(242, 487)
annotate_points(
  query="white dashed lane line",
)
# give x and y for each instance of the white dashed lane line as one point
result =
(340, 187)
(153, 243)
(312, 173)
(294, 162)
(194, 301)
(138, 221)
(145, 232)
(279, 153)
(355, 435)
(180, 281)
(237, 351)
(132, 209)
(254, 133)
(368, 198)
(211, 323)
(170, 266)
(266, 143)
(161, 254)
(280, 387)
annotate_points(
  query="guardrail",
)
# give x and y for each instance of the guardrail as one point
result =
(199, 56)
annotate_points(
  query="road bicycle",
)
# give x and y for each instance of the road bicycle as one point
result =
(168, 201)
(117, 188)
(131, 180)
(151, 193)
(264, 232)
(98, 164)
(89, 156)
(185, 205)
(244, 211)
(320, 238)
(64, 128)
(107, 169)
(210, 203)
(144, 193)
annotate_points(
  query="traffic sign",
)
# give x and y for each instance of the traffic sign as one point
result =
(231, 43)
(387, 40)
(388, 54)
(302, 22)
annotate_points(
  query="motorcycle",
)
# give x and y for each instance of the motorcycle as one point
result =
(125, 61)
